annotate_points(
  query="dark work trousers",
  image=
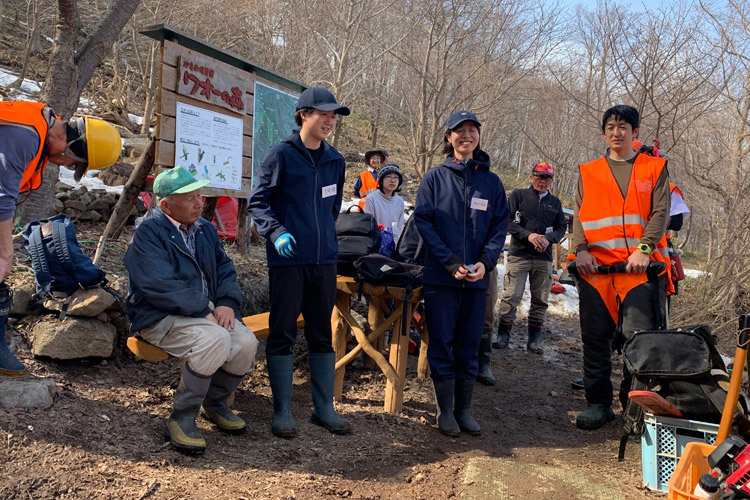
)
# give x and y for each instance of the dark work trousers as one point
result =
(455, 319)
(310, 290)
(639, 310)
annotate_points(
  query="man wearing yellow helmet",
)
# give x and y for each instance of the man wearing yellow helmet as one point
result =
(30, 135)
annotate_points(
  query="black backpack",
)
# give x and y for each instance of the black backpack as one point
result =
(380, 270)
(683, 366)
(410, 247)
(358, 235)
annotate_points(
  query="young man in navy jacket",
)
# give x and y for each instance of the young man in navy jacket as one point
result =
(295, 203)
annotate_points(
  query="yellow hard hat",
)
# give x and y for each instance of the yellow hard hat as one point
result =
(101, 141)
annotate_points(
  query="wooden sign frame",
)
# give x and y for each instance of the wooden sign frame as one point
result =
(182, 54)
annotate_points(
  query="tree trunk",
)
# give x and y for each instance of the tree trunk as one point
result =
(70, 71)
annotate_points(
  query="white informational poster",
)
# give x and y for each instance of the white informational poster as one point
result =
(209, 144)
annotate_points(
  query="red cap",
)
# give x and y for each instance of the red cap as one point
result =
(543, 168)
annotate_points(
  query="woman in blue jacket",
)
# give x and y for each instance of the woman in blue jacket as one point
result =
(462, 216)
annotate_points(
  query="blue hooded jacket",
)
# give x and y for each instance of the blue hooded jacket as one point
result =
(293, 195)
(462, 215)
(164, 279)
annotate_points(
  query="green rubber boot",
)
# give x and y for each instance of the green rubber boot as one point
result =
(322, 373)
(594, 417)
(215, 406)
(181, 429)
(281, 376)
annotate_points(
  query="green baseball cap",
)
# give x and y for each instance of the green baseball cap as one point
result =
(176, 180)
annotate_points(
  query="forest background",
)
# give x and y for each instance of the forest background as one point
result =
(538, 73)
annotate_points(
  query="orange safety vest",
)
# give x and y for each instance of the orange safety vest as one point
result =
(613, 226)
(369, 184)
(28, 113)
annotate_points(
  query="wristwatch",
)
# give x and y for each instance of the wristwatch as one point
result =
(645, 248)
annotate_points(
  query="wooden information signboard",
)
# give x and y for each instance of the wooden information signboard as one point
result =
(214, 88)
(197, 74)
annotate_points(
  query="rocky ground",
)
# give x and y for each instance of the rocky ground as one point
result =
(103, 436)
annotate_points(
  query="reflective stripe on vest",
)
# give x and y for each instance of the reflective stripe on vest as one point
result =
(28, 113)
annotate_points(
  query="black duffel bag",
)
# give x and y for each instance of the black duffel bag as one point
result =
(358, 235)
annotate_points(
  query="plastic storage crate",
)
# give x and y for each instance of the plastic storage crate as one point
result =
(662, 443)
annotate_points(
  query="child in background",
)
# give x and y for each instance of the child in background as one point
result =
(384, 204)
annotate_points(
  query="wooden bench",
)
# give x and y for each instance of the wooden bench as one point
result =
(258, 323)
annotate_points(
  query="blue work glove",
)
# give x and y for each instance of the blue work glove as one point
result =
(285, 245)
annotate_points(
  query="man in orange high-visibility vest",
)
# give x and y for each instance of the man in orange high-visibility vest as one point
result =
(622, 209)
(30, 136)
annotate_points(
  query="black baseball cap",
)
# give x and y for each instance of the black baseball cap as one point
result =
(322, 99)
(458, 117)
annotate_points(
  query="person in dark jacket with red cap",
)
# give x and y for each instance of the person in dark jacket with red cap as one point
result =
(462, 215)
(537, 221)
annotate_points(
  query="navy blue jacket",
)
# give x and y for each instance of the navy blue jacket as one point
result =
(164, 279)
(288, 198)
(531, 214)
(462, 216)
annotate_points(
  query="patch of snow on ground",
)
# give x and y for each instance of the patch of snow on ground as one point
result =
(88, 180)
(8, 77)
(562, 305)
(695, 273)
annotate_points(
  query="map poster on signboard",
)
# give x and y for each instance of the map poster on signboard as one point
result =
(209, 144)
(273, 119)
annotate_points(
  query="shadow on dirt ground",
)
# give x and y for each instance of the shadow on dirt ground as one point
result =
(103, 437)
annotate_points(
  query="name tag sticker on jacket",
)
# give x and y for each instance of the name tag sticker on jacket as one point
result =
(548, 230)
(479, 204)
(329, 190)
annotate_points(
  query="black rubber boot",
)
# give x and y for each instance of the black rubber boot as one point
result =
(9, 364)
(215, 406)
(462, 413)
(535, 332)
(281, 376)
(181, 429)
(322, 374)
(503, 336)
(485, 375)
(444, 393)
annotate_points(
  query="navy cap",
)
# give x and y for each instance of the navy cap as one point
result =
(458, 117)
(322, 99)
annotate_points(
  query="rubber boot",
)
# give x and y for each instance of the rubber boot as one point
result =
(281, 376)
(181, 428)
(485, 375)
(462, 413)
(594, 416)
(444, 393)
(322, 373)
(535, 331)
(503, 336)
(9, 364)
(215, 406)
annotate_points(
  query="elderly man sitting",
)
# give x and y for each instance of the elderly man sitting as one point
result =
(184, 298)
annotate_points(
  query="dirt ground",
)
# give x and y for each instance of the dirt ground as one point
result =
(103, 436)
